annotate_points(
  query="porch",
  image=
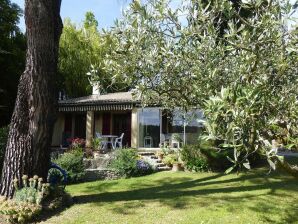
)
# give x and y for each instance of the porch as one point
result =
(116, 113)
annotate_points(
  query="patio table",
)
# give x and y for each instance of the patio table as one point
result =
(109, 139)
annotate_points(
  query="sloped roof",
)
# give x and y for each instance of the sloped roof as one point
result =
(110, 98)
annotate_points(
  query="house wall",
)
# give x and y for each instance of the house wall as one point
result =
(134, 128)
(58, 130)
(98, 123)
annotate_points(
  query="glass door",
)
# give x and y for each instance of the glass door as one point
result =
(149, 127)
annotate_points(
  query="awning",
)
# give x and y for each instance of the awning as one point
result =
(101, 107)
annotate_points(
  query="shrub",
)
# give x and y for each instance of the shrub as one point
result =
(127, 164)
(72, 162)
(194, 159)
(3, 141)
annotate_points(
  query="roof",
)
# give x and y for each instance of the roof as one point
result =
(110, 98)
(105, 102)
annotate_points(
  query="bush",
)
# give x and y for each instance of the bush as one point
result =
(194, 159)
(126, 164)
(205, 156)
(3, 141)
(72, 162)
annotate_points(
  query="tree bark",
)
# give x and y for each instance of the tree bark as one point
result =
(30, 135)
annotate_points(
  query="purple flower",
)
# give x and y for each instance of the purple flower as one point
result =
(143, 166)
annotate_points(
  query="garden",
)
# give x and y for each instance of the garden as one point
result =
(235, 61)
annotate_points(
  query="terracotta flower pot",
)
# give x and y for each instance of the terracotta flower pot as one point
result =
(177, 167)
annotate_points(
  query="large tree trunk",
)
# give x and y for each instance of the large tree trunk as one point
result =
(28, 146)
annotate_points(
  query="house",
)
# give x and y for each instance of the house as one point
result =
(116, 113)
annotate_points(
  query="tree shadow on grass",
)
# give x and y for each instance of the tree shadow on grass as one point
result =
(177, 191)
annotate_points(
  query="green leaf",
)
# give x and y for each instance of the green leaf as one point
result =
(247, 165)
(229, 170)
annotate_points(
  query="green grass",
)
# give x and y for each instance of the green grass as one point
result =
(169, 197)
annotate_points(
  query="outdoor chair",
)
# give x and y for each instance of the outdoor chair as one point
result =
(118, 141)
(148, 142)
(175, 140)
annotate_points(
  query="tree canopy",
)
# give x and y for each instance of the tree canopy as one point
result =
(238, 64)
(12, 57)
(82, 48)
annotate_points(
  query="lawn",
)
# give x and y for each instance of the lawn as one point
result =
(168, 197)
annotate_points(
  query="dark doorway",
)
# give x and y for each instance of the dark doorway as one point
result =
(106, 123)
(122, 124)
(80, 126)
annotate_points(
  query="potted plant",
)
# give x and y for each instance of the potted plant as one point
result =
(177, 166)
(173, 160)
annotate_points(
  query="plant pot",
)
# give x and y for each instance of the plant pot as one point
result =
(177, 167)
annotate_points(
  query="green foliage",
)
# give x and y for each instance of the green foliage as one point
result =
(30, 191)
(72, 162)
(12, 57)
(82, 50)
(125, 162)
(236, 63)
(3, 142)
(194, 159)
(170, 159)
(96, 143)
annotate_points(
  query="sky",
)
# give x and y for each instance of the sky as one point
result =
(106, 11)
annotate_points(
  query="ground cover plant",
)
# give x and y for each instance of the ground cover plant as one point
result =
(184, 197)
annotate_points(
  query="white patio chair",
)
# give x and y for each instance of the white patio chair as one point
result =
(148, 142)
(175, 141)
(118, 141)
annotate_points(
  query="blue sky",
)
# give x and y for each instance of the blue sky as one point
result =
(106, 11)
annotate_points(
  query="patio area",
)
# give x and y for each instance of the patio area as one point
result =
(119, 121)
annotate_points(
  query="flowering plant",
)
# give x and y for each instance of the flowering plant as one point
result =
(76, 142)
(143, 167)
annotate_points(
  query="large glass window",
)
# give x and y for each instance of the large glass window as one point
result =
(184, 126)
(149, 127)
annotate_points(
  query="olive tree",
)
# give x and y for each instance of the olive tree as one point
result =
(239, 68)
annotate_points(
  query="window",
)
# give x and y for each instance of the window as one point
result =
(149, 127)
